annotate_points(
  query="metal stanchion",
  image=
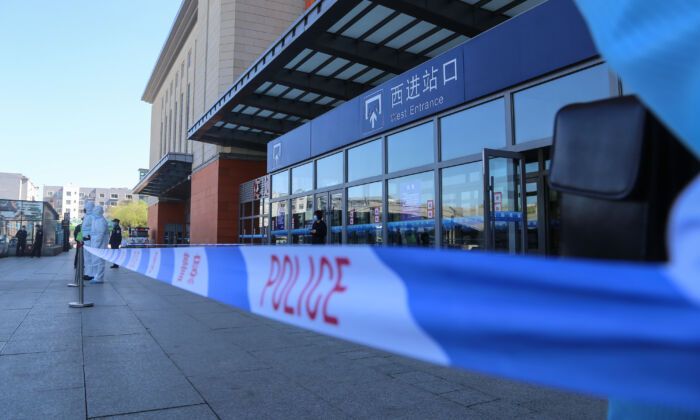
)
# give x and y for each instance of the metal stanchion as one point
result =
(78, 256)
(79, 279)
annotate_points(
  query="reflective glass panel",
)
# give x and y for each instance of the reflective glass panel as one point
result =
(279, 223)
(463, 207)
(473, 129)
(329, 171)
(412, 210)
(280, 184)
(410, 148)
(302, 219)
(364, 217)
(303, 178)
(365, 161)
(536, 107)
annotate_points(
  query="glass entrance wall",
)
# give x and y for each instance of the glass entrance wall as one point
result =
(412, 210)
(393, 188)
(364, 216)
(302, 219)
(463, 207)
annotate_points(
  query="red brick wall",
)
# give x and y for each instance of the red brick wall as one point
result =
(214, 204)
(309, 3)
(161, 213)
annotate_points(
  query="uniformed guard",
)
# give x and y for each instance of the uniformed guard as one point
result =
(115, 239)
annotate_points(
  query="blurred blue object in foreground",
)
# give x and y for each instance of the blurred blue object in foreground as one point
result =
(655, 48)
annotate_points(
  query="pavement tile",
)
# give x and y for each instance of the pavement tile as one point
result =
(40, 371)
(110, 321)
(45, 404)
(262, 394)
(501, 409)
(54, 343)
(143, 382)
(198, 412)
(10, 319)
(468, 397)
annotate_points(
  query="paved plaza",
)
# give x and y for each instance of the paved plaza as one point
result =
(150, 351)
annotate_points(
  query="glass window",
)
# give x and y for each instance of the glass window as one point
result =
(102, 196)
(113, 196)
(365, 161)
(302, 219)
(463, 207)
(329, 171)
(280, 184)
(279, 223)
(303, 178)
(410, 148)
(68, 193)
(364, 217)
(129, 197)
(256, 208)
(536, 107)
(473, 129)
(67, 201)
(412, 210)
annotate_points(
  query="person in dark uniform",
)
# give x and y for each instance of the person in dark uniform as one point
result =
(38, 242)
(21, 241)
(318, 229)
(116, 238)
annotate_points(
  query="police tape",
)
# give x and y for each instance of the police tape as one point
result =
(603, 328)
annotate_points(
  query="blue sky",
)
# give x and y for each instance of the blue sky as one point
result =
(72, 74)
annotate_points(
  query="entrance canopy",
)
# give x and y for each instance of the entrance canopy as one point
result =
(337, 50)
(169, 178)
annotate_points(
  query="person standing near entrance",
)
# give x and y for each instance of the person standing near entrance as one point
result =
(99, 237)
(21, 241)
(86, 229)
(318, 229)
(116, 238)
(38, 242)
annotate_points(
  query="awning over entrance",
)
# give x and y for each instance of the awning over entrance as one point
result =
(337, 50)
(169, 178)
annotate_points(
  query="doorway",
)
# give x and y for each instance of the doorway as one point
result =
(331, 203)
(504, 201)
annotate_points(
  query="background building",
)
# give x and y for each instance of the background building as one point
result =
(17, 187)
(194, 185)
(71, 199)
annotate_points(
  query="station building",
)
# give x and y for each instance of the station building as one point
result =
(407, 122)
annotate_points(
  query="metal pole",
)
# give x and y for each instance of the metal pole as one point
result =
(79, 275)
(76, 280)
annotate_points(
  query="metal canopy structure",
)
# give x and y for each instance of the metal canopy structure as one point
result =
(169, 178)
(337, 50)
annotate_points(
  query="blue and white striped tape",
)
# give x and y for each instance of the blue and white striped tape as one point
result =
(620, 330)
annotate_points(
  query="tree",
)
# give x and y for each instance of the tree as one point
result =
(130, 214)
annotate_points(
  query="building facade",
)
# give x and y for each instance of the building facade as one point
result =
(17, 187)
(407, 123)
(193, 185)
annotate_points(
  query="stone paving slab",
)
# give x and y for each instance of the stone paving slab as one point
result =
(151, 351)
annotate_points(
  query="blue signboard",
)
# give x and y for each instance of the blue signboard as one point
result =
(424, 90)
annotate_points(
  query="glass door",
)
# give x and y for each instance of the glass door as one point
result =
(504, 201)
(331, 203)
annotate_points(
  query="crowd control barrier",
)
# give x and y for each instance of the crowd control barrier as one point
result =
(78, 280)
(607, 329)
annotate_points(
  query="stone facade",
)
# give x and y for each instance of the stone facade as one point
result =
(211, 44)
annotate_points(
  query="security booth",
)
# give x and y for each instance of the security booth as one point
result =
(31, 214)
(414, 134)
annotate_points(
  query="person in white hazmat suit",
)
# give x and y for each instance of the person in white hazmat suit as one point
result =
(85, 230)
(99, 238)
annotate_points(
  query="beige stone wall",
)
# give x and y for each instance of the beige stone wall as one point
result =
(228, 37)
